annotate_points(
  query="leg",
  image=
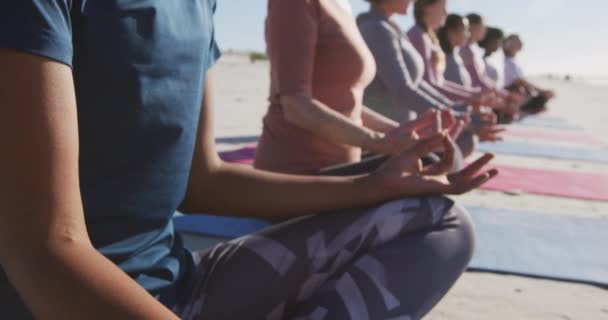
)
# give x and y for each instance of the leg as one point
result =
(402, 279)
(271, 274)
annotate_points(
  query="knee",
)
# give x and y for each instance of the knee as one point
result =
(465, 234)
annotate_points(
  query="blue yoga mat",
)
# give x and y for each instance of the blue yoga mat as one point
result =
(216, 226)
(541, 245)
(520, 243)
(546, 151)
(548, 122)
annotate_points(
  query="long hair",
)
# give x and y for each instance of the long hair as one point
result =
(452, 22)
(419, 7)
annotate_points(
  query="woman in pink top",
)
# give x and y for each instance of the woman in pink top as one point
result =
(320, 66)
(473, 55)
(430, 16)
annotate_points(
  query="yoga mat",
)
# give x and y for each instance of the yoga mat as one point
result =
(555, 123)
(217, 226)
(546, 151)
(551, 135)
(244, 155)
(520, 243)
(565, 184)
(541, 245)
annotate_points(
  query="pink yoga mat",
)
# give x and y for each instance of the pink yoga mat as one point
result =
(566, 184)
(554, 135)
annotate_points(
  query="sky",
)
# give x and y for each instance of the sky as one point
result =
(560, 36)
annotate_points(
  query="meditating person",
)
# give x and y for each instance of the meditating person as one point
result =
(513, 72)
(107, 130)
(452, 36)
(483, 74)
(473, 55)
(514, 79)
(400, 70)
(490, 45)
(429, 16)
(398, 90)
(316, 118)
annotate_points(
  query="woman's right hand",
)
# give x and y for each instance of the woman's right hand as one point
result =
(404, 175)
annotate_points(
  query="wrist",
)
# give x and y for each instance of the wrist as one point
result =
(374, 141)
(373, 190)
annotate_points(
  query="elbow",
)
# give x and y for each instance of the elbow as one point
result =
(201, 190)
(41, 246)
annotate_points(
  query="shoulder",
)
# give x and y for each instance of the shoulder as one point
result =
(294, 6)
(370, 24)
(418, 37)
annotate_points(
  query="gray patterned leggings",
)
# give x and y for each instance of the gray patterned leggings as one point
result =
(394, 261)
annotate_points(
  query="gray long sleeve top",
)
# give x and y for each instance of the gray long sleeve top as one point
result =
(398, 88)
(456, 71)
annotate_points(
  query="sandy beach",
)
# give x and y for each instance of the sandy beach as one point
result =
(241, 89)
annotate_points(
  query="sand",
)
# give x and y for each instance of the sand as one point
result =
(241, 90)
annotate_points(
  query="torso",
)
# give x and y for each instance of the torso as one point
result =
(343, 68)
(456, 71)
(430, 51)
(139, 70)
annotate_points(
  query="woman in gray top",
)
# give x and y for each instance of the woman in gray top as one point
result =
(399, 90)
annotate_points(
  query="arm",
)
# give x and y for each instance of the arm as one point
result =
(377, 122)
(477, 72)
(234, 190)
(44, 247)
(452, 92)
(461, 88)
(307, 113)
(392, 69)
(292, 62)
(427, 88)
(214, 185)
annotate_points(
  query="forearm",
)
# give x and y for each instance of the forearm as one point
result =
(458, 87)
(451, 93)
(265, 194)
(479, 79)
(377, 122)
(435, 94)
(312, 115)
(71, 280)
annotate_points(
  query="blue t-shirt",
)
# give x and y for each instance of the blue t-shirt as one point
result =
(139, 69)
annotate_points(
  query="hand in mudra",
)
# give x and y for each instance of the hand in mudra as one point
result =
(404, 175)
(409, 133)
